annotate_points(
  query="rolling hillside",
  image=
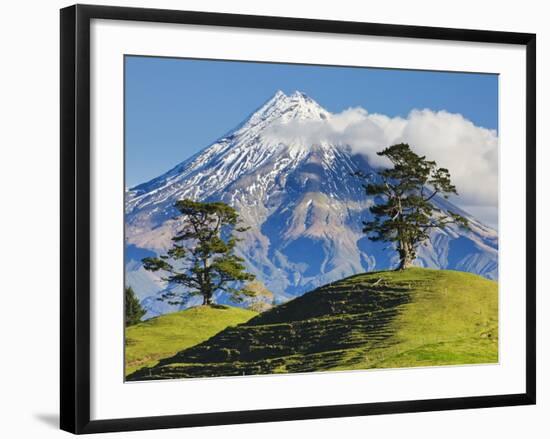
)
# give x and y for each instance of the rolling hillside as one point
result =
(418, 317)
(163, 336)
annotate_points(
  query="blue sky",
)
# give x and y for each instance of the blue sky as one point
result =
(175, 107)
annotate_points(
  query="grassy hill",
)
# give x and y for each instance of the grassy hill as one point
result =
(417, 317)
(163, 336)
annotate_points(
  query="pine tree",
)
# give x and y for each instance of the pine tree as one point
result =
(405, 213)
(202, 258)
(132, 308)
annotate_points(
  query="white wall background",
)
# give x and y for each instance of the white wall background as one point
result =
(29, 206)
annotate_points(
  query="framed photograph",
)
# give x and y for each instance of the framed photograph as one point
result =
(268, 219)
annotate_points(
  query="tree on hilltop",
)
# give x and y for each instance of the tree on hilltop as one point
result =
(202, 258)
(405, 213)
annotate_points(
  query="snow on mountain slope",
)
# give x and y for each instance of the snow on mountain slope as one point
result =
(303, 206)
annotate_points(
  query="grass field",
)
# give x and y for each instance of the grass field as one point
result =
(163, 336)
(411, 318)
(450, 318)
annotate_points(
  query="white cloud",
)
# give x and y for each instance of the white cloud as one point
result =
(469, 152)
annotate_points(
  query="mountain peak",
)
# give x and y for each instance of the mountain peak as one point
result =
(283, 108)
(280, 95)
(300, 95)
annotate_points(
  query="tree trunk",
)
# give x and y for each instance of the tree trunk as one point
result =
(406, 262)
(405, 256)
(207, 285)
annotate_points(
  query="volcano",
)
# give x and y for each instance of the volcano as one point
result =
(304, 207)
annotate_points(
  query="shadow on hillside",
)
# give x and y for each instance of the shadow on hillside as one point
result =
(325, 328)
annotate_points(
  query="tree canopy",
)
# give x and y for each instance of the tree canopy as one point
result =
(404, 211)
(202, 259)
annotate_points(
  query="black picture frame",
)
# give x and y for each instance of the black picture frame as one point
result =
(75, 217)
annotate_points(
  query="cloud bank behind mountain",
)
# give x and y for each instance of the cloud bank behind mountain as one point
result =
(469, 152)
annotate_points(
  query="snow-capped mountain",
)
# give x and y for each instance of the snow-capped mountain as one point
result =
(302, 204)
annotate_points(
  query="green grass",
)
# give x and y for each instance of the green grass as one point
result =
(163, 336)
(451, 318)
(416, 317)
